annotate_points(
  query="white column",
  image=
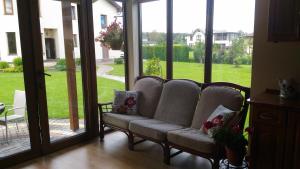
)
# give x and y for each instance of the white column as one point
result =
(132, 40)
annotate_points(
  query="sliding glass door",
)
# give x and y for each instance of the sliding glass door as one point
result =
(19, 124)
(45, 65)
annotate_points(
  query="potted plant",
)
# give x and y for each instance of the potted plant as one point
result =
(231, 137)
(112, 36)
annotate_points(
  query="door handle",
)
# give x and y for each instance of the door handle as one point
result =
(45, 74)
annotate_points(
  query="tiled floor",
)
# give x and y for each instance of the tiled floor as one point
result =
(114, 154)
(18, 137)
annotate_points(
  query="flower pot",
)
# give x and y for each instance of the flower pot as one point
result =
(116, 45)
(234, 158)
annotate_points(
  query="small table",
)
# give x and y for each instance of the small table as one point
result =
(2, 108)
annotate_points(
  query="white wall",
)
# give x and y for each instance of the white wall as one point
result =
(9, 23)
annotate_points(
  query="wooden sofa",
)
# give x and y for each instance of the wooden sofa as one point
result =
(171, 114)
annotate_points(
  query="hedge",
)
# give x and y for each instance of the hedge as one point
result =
(180, 52)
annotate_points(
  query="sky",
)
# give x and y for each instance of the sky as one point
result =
(188, 15)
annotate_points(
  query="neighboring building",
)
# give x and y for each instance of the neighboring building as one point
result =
(225, 38)
(197, 36)
(51, 24)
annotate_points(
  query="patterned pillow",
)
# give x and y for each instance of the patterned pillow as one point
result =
(125, 102)
(220, 117)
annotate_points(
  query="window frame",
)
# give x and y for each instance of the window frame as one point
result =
(5, 7)
(9, 48)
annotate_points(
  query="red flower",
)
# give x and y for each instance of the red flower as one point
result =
(218, 120)
(208, 125)
(130, 102)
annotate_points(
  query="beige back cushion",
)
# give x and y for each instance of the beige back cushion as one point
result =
(213, 96)
(149, 93)
(178, 102)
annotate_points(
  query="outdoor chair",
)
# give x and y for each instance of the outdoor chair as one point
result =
(18, 109)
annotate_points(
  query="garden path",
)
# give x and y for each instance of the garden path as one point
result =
(103, 72)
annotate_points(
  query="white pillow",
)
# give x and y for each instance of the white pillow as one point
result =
(226, 113)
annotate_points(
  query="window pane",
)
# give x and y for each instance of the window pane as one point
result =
(189, 39)
(154, 37)
(11, 42)
(233, 41)
(8, 6)
(73, 12)
(103, 20)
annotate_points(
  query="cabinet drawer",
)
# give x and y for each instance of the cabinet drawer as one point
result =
(267, 115)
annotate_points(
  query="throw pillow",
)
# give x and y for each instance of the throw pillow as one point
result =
(220, 117)
(125, 102)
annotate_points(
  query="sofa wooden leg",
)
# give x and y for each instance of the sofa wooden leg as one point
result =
(101, 132)
(167, 152)
(130, 141)
(215, 164)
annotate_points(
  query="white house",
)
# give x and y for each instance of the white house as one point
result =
(51, 22)
(197, 36)
(225, 38)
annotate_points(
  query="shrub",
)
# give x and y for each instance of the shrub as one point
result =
(153, 67)
(13, 69)
(61, 65)
(4, 65)
(118, 61)
(17, 62)
(237, 61)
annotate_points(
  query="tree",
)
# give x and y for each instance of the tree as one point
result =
(237, 50)
(199, 52)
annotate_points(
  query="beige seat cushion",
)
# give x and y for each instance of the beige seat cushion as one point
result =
(149, 93)
(178, 102)
(120, 120)
(152, 128)
(213, 96)
(193, 139)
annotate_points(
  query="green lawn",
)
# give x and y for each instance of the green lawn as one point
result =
(195, 71)
(57, 96)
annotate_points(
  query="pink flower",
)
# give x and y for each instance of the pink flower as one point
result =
(236, 129)
(249, 130)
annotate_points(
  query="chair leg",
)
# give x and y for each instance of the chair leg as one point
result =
(167, 152)
(6, 132)
(130, 141)
(101, 132)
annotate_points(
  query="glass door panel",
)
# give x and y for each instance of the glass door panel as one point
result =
(14, 126)
(62, 68)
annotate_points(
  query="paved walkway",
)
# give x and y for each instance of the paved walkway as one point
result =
(103, 72)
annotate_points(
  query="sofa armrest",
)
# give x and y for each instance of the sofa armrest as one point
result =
(105, 107)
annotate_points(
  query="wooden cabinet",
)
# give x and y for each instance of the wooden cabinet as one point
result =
(275, 143)
(284, 20)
